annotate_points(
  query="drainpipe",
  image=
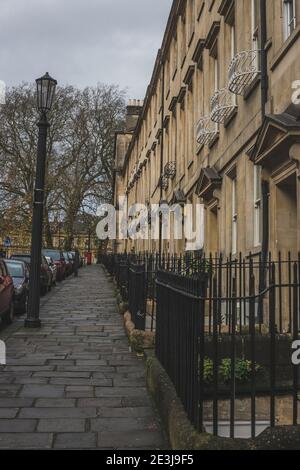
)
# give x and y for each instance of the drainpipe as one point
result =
(265, 246)
(263, 57)
(161, 149)
(265, 210)
(264, 100)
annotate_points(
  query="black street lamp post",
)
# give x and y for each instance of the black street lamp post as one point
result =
(45, 94)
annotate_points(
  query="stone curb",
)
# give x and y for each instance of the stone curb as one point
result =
(183, 436)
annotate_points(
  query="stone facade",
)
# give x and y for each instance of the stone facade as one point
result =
(220, 126)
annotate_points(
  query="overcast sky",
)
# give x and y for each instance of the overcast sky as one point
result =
(82, 42)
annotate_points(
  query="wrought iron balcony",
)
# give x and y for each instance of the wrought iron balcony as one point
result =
(170, 170)
(222, 105)
(206, 131)
(139, 169)
(164, 182)
(243, 69)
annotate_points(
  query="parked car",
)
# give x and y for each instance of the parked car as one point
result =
(22, 257)
(59, 262)
(72, 259)
(69, 266)
(19, 272)
(53, 268)
(79, 259)
(6, 294)
(46, 274)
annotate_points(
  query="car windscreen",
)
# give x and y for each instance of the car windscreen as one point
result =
(55, 255)
(15, 269)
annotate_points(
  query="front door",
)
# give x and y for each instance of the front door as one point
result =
(286, 216)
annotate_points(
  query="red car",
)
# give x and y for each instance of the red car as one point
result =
(6, 294)
(59, 262)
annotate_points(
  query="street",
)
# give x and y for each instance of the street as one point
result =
(74, 383)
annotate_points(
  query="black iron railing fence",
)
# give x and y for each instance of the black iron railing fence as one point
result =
(137, 296)
(225, 337)
(224, 333)
(135, 277)
(118, 266)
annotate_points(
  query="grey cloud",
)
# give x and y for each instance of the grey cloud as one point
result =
(82, 42)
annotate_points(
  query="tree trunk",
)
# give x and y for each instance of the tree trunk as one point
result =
(47, 231)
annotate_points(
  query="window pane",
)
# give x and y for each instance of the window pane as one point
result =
(257, 205)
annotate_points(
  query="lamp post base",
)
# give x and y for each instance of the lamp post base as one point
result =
(28, 323)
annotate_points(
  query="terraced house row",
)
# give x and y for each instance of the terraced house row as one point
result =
(220, 127)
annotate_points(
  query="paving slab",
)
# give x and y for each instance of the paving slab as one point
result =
(26, 440)
(74, 384)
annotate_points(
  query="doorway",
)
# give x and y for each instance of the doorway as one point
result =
(286, 216)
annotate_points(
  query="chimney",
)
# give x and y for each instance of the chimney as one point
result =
(133, 111)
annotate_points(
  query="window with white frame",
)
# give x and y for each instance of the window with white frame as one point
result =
(216, 79)
(174, 56)
(257, 205)
(254, 24)
(183, 39)
(233, 53)
(216, 74)
(289, 17)
(190, 20)
(232, 41)
(234, 217)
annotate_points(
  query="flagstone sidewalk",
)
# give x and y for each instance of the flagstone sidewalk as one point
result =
(74, 384)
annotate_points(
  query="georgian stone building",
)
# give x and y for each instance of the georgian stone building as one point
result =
(220, 126)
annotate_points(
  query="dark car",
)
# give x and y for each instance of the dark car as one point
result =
(53, 268)
(69, 264)
(46, 274)
(22, 257)
(72, 259)
(59, 261)
(80, 259)
(19, 272)
(6, 294)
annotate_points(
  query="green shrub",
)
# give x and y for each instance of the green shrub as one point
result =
(208, 371)
(243, 370)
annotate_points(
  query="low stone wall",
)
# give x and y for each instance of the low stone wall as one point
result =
(183, 436)
(138, 340)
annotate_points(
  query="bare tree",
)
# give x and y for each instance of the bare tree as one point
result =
(79, 170)
(100, 114)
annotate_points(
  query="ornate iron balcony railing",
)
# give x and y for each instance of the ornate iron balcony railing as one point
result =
(139, 169)
(206, 131)
(164, 182)
(222, 105)
(170, 170)
(243, 69)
